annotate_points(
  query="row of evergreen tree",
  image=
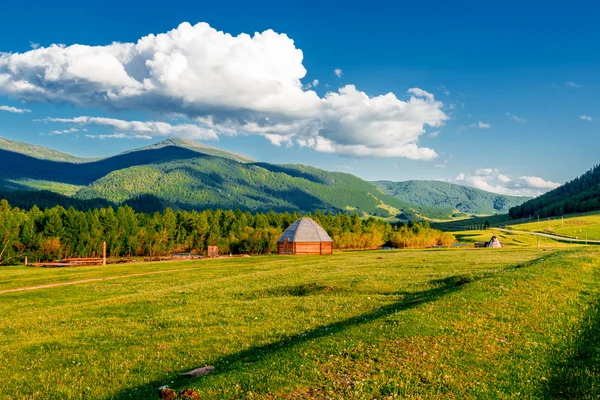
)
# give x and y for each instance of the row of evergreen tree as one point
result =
(55, 233)
(582, 194)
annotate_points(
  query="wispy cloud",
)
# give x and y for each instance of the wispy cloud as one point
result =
(136, 129)
(515, 118)
(118, 136)
(64, 131)
(480, 125)
(338, 72)
(444, 90)
(586, 118)
(14, 110)
(442, 165)
(572, 84)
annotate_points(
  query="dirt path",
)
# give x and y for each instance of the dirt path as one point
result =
(108, 278)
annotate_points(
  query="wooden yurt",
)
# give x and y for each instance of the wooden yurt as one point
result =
(305, 236)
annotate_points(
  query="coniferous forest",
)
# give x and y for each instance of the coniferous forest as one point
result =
(55, 233)
(582, 194)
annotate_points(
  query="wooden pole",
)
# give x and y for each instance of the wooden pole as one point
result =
(104, 253)
(25, 260)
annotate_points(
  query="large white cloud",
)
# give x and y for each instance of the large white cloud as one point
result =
(491, 180)
(226, 84)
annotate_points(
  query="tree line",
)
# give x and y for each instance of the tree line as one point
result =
(56, 233)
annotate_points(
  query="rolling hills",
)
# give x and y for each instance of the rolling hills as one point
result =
(178, 174)
(450, 198)
(183, 174)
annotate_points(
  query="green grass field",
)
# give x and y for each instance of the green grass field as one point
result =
(575, 226)
(486, 323)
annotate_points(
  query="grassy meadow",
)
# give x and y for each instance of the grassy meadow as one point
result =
(487, 323)
(575, 226)
(509, 239)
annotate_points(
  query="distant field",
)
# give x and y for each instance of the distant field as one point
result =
(436, 323)
(576, 226)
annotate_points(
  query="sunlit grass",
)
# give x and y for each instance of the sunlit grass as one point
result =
(580, 226)
(509, 239)
(439, 323)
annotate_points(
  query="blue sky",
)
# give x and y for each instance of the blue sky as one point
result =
(508, 92)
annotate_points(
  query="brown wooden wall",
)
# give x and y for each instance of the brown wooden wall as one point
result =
(305, 248)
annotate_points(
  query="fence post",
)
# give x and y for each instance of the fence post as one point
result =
(104, 253)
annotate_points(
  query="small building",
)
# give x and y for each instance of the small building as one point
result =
(495, 243)
(305, 236)
(213, 251)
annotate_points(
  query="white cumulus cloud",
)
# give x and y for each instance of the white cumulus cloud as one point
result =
(14, 110)
(492, 180)
(224, 84)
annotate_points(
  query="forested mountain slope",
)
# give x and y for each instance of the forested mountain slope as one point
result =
(183, 175)
(450, 197)
(582, 194)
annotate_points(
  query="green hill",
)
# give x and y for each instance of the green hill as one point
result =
(582, 194)
(451, 198)
(39, 152)
(215, 182)
(184, 175)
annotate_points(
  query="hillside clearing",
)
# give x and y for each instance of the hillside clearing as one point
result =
(451, 323)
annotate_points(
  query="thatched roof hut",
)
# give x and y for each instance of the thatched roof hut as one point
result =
(305, 236)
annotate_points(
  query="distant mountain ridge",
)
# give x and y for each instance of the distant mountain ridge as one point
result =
(450, 197)
(197, 147)
(183, 174)
(40, 152)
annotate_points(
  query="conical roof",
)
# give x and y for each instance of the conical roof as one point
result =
(305, 230)
(494, 242)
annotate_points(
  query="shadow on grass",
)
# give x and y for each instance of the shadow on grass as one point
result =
(240, 360)
(578, 376)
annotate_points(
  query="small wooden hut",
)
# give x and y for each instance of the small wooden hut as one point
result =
(305, 236)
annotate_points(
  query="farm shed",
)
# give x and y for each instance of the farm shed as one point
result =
(305, 236)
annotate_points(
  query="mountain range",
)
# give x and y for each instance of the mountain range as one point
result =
(450, 198)
(183, 174)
